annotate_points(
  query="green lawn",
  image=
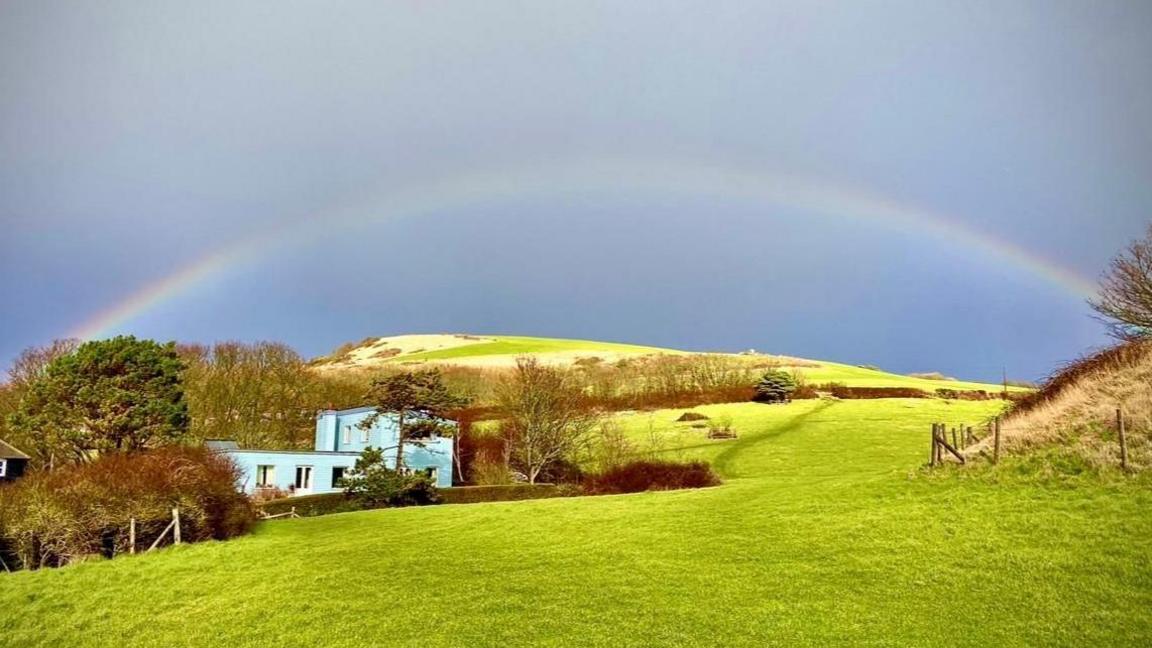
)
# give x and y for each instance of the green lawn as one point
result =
(826, 532)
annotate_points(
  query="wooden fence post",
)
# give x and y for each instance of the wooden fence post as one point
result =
(932, 453)
(176, 525)
(996, 442)
(1123, 441)
(132, 536)
(955, 442)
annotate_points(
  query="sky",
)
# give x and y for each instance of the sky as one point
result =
(919, 186)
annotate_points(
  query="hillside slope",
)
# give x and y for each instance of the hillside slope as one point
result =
(813, 540)
(1076, 409)
(501, 351)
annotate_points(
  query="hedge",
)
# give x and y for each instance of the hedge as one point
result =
(326, 503)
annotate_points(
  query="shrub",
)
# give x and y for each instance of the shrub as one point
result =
(841, 391)
(51, 519)
(775, 386)
(638, 476)
(805, 392)
(312, 505)
(491, 473)
(692, 416)
(372, 484)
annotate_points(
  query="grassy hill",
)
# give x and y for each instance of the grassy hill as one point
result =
(1074, 415)
(826, 532)
(499, 351)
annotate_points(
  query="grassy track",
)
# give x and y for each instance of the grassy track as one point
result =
(825, 533)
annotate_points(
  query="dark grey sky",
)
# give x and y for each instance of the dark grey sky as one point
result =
(502, 167)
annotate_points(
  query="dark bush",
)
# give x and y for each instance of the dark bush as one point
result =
(638, 476)
(965, 394)
(312, 505)
(327, 503)
(560, 471)
(842, 391)
(775, 386)
(51, 519)
(805, 392)
(692, 416)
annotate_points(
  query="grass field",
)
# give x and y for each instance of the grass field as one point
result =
(826, 532)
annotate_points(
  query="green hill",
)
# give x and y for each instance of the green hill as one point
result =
(826, 532)
(500, 351)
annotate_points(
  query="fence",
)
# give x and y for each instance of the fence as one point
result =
(963, 436)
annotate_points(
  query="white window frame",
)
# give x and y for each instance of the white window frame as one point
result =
(269, 476)
(364, 432)
(347, 434)
(3, 467)
(309, 474)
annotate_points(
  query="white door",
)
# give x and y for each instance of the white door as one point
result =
(303, 480)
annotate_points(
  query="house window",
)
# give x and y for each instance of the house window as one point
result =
(3, 467)
(265, 476)
(303, 478)
(431, 472)
(337, 475)
(347, 434)
(364, 435)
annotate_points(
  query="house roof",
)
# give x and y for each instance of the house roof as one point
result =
(354, 410)
(221, 444)
(8, 452)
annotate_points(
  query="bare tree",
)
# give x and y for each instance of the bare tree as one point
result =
(29, 367)
(1125, 300)
(546, 416)
(32, 363)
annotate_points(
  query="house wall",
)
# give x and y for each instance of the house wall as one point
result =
(339, 441)
(339, 431)
(286, 462)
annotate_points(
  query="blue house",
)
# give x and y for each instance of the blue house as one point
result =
(339, 441)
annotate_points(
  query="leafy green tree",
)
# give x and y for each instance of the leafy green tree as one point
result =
(419, 400)
(115, 395)
(372, 483)
(775, 386)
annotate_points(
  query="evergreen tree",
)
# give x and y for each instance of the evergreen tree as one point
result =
(115, 395)
(776, 386)
(419, 400)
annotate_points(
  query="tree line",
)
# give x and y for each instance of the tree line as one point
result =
(67, 401)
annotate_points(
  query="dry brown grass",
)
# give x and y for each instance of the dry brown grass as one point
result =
(1076, 408)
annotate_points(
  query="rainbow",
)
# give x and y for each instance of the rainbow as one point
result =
(629, 177)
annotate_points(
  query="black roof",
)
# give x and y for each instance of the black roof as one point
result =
(8, 452)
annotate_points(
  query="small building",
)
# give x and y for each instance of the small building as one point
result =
(13, 463)
(338, 443)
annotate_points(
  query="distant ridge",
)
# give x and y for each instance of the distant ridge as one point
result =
(501, 351)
